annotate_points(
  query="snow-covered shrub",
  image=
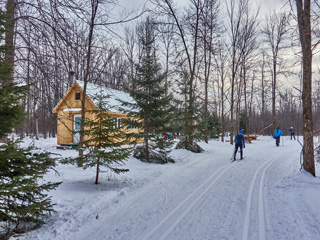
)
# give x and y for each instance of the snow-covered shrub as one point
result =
(154, 156)
(191, 147)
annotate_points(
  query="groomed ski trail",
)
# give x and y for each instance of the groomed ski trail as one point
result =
(202, 196)
(177, 214)
(260, 184)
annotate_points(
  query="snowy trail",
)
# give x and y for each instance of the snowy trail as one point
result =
(259, 183)
(201, 197)
(177, 214)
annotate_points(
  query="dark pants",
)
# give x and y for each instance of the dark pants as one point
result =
(277, 141)
(238, 145)
(292, 135)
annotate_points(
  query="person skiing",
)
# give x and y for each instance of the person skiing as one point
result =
(291, 130)
(276, 135)
(239, 143)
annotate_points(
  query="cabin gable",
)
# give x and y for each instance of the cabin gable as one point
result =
(68, 110)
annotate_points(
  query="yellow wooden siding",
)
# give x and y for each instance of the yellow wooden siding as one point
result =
(68, 107)
(65, 110)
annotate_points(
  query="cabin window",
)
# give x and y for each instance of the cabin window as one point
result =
(78, 96)
(116, 122)
(132, 124)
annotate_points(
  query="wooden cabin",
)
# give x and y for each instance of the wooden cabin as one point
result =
(68, 109)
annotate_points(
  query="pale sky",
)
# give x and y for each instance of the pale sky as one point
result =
(267, 6)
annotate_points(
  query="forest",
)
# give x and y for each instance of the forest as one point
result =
(201, 68)
(227, 64)
(229, 60)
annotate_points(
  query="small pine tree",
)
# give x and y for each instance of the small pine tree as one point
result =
(106, 138)
(189, 114)
(213, 125)
(155, 109)
(23, 202)
(244, 121)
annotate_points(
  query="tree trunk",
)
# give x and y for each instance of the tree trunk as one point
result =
(232, 104)
(274, 80)
(97, 170)
(262, 96)
(303, 12)
(9, 37)
(86, 76)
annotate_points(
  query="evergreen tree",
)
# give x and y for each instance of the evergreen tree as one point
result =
(23, 203)
(207, 126)
(244, 121)
(11, 111)
(194, 130)
(106, 138)
(214, 126)
(155, 110)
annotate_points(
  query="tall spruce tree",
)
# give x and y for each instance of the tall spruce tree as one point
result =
(106, 139)
(23, 203)
(11, 112)
(155, 110)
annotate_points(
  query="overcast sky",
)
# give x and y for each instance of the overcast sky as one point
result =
(267, 6)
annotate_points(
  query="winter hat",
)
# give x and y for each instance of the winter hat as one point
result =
(241, 131)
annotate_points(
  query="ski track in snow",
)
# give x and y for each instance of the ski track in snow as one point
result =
(259, 183)
(178, 213)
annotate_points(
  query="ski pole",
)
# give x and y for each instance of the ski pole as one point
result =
(282, 141)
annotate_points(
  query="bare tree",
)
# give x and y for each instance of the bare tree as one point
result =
(209, 32)
(241, 32)
(58, 39)
(276, 33)
(167, 37)
(129, 49)
(304, 24)
(249, 36)
(221, 68)
(263, 91)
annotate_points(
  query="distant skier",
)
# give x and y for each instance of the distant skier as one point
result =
(276, 135)
(291, 130)
(239, 142)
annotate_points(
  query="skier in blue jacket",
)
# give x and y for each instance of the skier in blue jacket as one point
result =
(239, 143)
(276, 135)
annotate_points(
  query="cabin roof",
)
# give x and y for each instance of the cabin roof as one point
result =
(115, 97)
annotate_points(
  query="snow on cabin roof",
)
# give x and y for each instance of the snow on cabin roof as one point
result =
(114, 96)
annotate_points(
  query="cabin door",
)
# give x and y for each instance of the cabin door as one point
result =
(76, 128)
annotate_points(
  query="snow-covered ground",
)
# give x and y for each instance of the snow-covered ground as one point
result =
(201, 196)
